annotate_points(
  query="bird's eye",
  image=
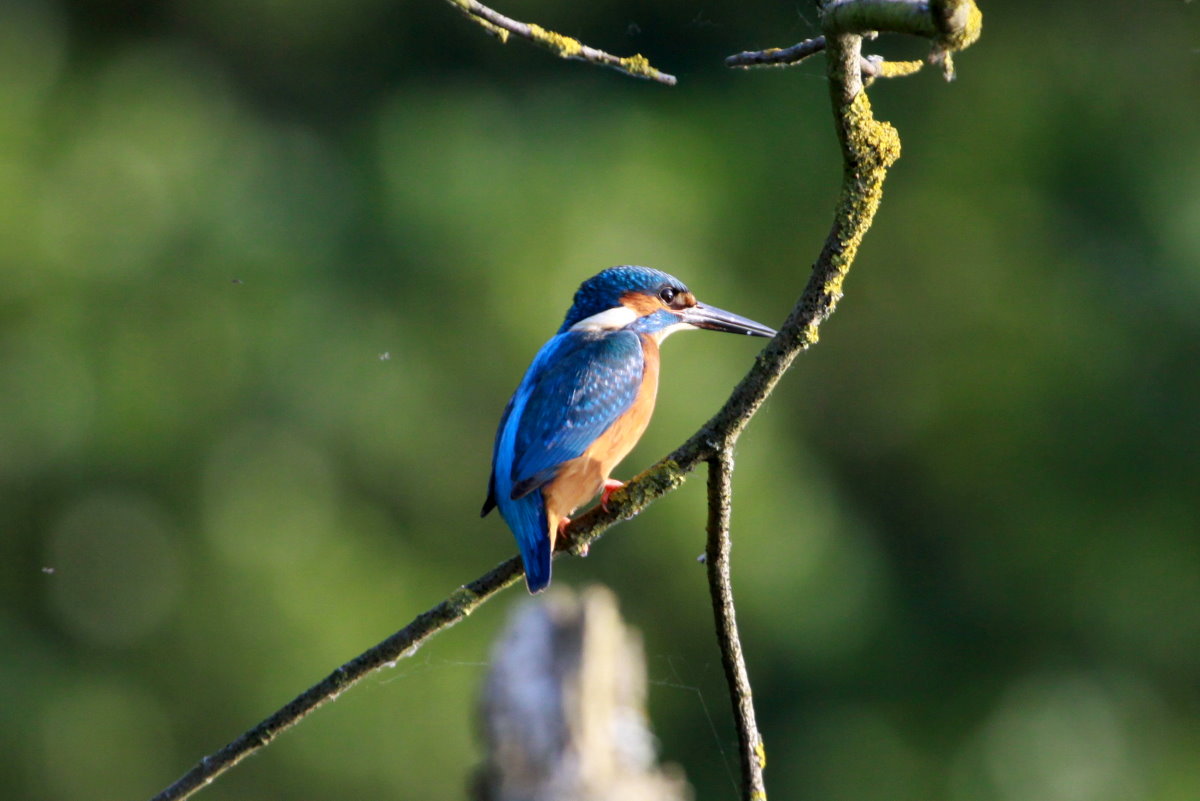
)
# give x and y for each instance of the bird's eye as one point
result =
(667, 294)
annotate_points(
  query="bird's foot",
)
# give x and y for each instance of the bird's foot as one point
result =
(611, 485)
(562, 535)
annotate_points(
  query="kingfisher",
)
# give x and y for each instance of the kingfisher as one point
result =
(585, 401)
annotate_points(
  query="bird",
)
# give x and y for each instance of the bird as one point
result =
(586, 400)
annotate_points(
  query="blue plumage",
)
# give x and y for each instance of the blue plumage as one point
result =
(578, 384)
(586, 382)
(582, 382)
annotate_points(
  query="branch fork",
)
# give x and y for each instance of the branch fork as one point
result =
(950, 25)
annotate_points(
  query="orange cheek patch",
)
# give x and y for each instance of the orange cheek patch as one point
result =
(641, 303)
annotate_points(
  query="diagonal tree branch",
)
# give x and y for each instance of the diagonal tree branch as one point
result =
(869, 148)
(500, 26)
(403, 643)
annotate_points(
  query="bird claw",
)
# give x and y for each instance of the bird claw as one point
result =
(582, 548)
(610, 486)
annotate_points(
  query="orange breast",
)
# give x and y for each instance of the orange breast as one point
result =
(578, 480)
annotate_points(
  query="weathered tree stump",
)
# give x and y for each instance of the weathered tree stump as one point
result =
(563, 708)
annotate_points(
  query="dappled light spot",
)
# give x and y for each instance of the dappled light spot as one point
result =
(1066, 736)
(117, 568)
(270, 498)
(48, 402)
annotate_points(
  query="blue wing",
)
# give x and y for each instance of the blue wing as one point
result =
(489, 503)
(571, 397)
(578, 385)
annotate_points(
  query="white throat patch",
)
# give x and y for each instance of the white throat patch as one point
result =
(663, 333)
(612, 319)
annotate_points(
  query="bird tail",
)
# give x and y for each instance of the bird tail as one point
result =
(533, 538)
(537, 566)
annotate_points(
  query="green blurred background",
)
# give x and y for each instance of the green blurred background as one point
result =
(270, 269)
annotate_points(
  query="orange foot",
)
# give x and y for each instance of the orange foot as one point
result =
(562, 535)
(611, 485)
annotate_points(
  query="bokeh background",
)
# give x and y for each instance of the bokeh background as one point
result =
(269, 270)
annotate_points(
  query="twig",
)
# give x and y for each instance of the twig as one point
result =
(869, 148)
(720, 587)
(637, 66)
(777, 56)
(873, 67)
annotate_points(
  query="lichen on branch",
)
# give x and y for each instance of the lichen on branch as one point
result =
(637, 66)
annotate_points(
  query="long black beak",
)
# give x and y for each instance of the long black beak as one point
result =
(715, 319)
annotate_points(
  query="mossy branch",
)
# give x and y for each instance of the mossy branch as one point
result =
(869, 147)
(500, 26)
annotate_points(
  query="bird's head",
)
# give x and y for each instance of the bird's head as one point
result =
(649, 302)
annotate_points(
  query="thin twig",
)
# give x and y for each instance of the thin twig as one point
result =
(777, 56)
(873, 67)
(637, 66)
(750, 743)
(869, 148)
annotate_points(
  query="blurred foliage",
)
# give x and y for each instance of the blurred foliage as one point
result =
(271, 269)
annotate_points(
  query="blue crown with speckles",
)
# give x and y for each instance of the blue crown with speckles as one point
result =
(603, 290)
